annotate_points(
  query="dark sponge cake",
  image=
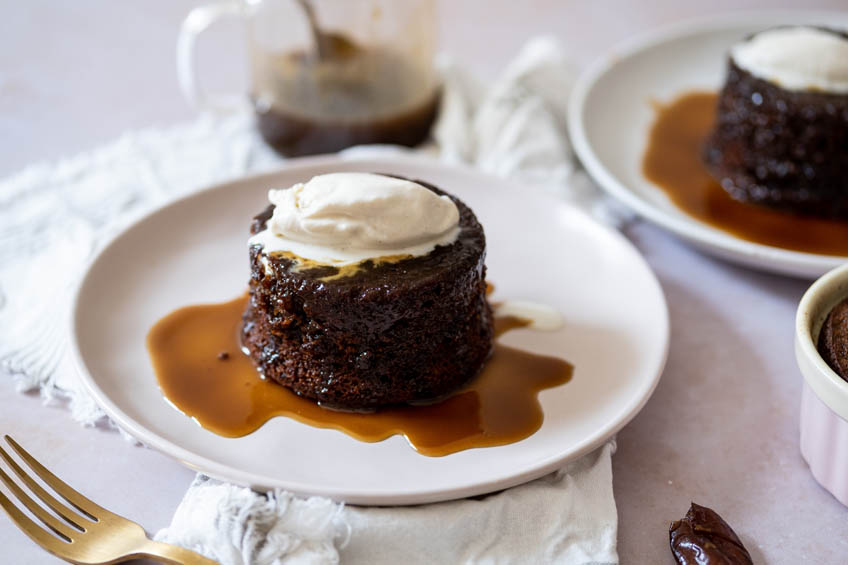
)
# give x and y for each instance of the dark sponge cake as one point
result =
(781, 148)
(402, 331)
(833, 339)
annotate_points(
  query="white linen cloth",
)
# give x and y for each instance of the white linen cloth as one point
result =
(53, 216)
(566, 517)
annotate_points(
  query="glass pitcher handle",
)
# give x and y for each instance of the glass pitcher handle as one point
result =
(197, 21)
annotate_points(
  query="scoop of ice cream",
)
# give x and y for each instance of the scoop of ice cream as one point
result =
(345, 218)
(796, 58)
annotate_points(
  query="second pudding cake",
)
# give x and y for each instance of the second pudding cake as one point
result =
(781, 132)
(366, 291)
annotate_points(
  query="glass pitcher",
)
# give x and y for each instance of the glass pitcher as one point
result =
(328, 74)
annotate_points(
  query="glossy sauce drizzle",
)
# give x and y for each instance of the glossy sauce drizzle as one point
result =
(673, 162)
(197, 357)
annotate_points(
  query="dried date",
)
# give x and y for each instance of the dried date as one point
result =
(704, 538)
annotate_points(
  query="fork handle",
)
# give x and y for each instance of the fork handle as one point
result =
(174, 554)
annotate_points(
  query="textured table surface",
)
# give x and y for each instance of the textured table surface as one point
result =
(722, 427)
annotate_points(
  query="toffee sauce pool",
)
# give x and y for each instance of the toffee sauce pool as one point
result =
(673, 162)
(201, 369)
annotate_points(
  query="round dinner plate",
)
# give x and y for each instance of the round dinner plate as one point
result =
(540, 249)
(611, 113)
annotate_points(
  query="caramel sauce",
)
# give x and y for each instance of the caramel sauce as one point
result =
(673, 162)
(293, 135)
(349, 95)
(202, 371)
(304, 264)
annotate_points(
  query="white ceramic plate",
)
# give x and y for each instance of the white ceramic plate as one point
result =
(540, 249)
(610, 116)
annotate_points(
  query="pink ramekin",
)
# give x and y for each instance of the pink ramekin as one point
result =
(824, 401)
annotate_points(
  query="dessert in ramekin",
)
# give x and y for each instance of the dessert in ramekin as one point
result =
(824, 403)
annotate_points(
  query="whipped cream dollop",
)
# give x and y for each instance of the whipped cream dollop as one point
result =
(796, 58)
(345, 218)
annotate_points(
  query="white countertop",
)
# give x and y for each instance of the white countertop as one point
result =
(721, 428)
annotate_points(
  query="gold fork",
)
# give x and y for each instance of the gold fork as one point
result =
(91, 536)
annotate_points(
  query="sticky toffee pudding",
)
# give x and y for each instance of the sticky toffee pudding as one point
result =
(780, 137)
(386, 330)
(763, 158)
(833, 339)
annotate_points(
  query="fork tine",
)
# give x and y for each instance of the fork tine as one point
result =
(82, 504)
(66, 513)
(61, 529)
(38, 534)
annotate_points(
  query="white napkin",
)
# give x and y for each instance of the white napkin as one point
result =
(566, 517)
(54, 216)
